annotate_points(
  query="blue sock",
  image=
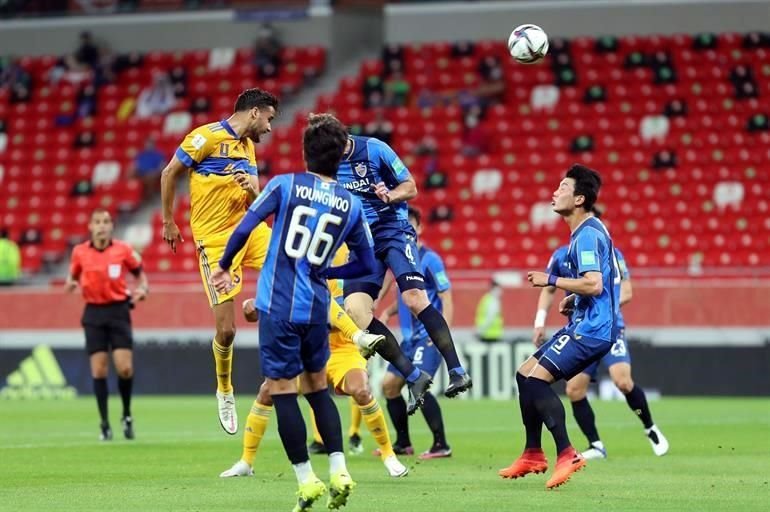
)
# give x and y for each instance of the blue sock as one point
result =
(459, 370)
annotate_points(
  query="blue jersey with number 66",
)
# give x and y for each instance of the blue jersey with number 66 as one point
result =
(313, 218)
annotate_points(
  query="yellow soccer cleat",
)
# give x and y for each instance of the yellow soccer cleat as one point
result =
(340, 487)
(309, 493)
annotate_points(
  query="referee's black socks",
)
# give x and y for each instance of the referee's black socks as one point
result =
(100, 390)
(125, 386)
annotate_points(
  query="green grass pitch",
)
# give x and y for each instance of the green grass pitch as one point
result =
(50, 460)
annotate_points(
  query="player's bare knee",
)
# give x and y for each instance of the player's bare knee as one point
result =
(575, 391)
(362, 395)
(391, 386)
(226, 335)
(125, 371)
(624, 384)
(361, 314)
(415, 300)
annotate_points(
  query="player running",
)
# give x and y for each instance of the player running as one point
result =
(418, 347)
(346, 373)
(595, 294)
(314, 216)
(371, 170)
(617, 360)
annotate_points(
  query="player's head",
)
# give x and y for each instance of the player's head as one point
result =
(578, 189)
(323, 144)
(415, 219)
(100, 226)
(259, 108)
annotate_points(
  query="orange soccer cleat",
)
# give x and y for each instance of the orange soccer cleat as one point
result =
(569, 461)
(531, 461)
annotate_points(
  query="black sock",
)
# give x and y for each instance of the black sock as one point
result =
(125, 386)
(327, 419)
(391, 351)
(291, 427)
(584, 415)
(100, 390)
(551, 411)
(400, 420)
(438, 330)
(533, 425)
(637, 401)
(431, 410)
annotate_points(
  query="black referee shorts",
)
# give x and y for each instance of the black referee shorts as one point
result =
(107, 326)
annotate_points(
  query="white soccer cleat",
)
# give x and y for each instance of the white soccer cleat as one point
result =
(240, 468)
(394, 467)
(228, 417)
(595, 451)
(367, 342)
(657, 440)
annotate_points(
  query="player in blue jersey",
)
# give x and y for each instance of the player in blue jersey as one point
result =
(371, 170)
(313, 216)
(617, 361)
(594, 297)
(420, 349)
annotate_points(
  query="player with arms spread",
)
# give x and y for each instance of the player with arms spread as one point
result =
(595, 297)
(371, 170)
(314, 216)
(617, 361)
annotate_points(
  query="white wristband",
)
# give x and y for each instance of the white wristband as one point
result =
(540, 318)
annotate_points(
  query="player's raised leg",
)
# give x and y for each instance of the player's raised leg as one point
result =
(222, 346)
(577, 390)
(637, 402)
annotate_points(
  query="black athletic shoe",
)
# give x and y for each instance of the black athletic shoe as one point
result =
(457, 384)
(106, 434)
(128, 427)
(316, 448)
(417, 391)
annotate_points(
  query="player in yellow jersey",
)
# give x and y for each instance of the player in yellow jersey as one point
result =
(346, 373)
(222, 167)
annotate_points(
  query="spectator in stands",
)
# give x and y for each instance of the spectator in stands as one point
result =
(88, 53)
(10, 259)
(758, 123)
(13, 74)
(379, 127)
(475, 137)
(82, 188)
(178, 78)
(396, 90)
(754, 40)
(705, 41)
(2, 125)
(200, 105)
(31, 236)
(156, 99)
(675, 108)
(373, 92)
(85, 139)
(426, 98)
(442, 213)
(489, 315)
(392, 57)
(492, 88)
(147, 166)
(462, 49)
(746, 90)
(127, 61)
(267, 51)
(664, 159)
(86, 101)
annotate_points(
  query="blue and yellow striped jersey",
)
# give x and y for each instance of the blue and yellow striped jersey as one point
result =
(214, 153)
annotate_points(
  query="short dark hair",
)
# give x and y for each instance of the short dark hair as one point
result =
(324, 143)
(587, 184)
(99, 210)
(415, 214)
(258, 98)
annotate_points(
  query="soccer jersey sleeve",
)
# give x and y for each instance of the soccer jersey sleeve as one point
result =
(587, 251)
(252, 168)
(132, 260)
(390, 162)
(622, 266)
(198, 145)
(435, 267)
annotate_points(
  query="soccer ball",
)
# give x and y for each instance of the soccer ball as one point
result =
(528, 43)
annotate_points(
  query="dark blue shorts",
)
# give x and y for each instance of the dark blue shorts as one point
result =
(395, 248)
(568, 354)
(287, 349)
(618, 354)
(423, 354)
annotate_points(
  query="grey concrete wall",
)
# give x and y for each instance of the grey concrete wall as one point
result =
(495, 20)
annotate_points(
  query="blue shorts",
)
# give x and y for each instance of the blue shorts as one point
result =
(395, 248)
(618, 353)
(286, 349)
(423, 354)
(568, 354)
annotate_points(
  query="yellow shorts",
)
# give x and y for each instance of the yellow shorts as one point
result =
(344, 358)
(211, 250)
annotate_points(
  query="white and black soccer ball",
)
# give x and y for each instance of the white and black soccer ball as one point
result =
(528, 43)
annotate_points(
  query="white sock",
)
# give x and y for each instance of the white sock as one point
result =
(598, 444)
(304, 471)
(337, 463)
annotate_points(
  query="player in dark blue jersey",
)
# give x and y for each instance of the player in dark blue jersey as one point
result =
(313, 217)
(420, 349)
(617, 361)
(594, 297)
(371, 170)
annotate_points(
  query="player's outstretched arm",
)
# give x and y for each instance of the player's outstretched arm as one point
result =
(405, 191)
(363, 264)
(168, 179)
(589, 283)
(447, 306)
(544, 302)
(626, 292)
(389, 312)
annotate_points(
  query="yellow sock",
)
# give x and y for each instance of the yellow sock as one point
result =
(223, 359)
(256, 424)
(316, 433)
(355, 418)
(375, 422)
(341, 321)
